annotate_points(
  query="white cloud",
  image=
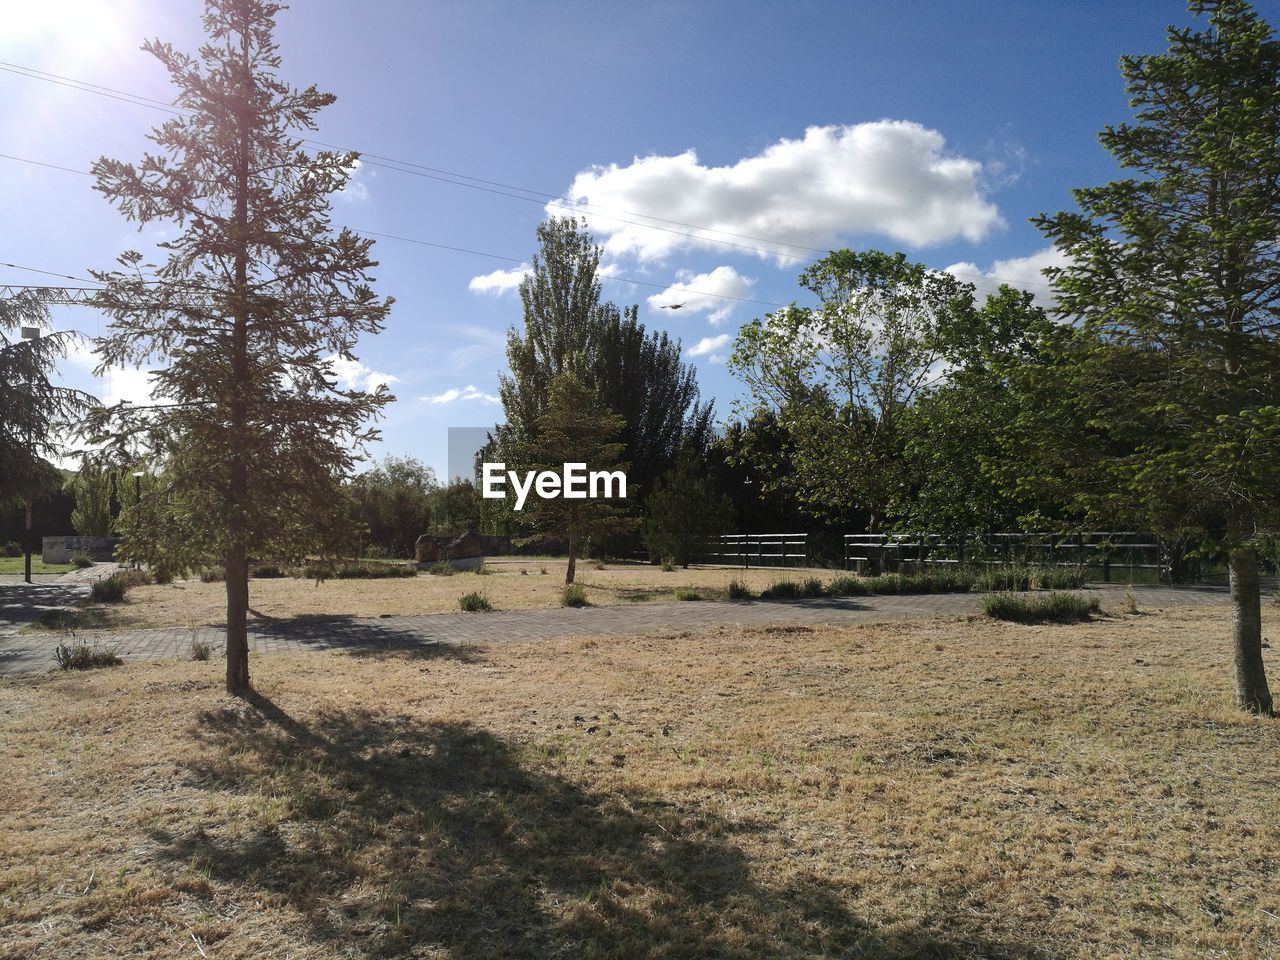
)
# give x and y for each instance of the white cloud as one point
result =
(469, 392)
(892, 178)
(500, 281)
(704, 292)
(356, 189)
(354, 375)
(1021, 272)
(709, 347)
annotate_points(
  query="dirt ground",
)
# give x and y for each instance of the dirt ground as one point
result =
(192, 603)
(935, 788)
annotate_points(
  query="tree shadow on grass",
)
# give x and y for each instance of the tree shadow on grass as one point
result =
(356, 636)
(399, 839)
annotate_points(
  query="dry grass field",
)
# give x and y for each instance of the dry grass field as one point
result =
(192, 603)
(937, 788)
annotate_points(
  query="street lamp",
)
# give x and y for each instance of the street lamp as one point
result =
(29, 333)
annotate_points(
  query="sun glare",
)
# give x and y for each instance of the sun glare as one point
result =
(86, 30)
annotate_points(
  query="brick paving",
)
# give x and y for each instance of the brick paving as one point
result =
(32, 653)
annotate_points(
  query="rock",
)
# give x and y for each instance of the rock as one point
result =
(470, 544)
(426, 549)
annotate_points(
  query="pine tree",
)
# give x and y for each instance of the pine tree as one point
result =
(256, 297)
(1175, 281)
(575, 429)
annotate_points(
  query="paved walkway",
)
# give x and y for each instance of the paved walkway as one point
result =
(31, 653)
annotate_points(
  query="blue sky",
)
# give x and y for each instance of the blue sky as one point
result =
(936, 128)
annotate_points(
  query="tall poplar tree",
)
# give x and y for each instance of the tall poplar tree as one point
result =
(1174, 279)
(243, 319)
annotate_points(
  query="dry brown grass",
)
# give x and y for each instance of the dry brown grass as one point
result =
(938, 788)
(192, 603)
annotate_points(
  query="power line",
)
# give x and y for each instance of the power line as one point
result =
(48, 273)
(494, 187)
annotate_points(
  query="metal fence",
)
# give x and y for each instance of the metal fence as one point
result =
(1128, 556)
(759, 549)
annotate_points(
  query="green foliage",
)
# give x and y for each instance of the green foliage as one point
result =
(92, 488)
(212, 575)
(475, 602)
(393, 501)
(739, 590)
(443, 568)
(109, 590)
(81, 561)
(635, 375)
(667, 565)
(256, 303)
(11, 548)
(575, 429)
(574, 596)
(687, 593)
(685, 511)
(848, 587)
(1040, 608)
(782, 590)
(85, 657)
(456, 509)
(840, 376)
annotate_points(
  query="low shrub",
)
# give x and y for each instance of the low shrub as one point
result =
(443, 568)
(483, 570)
(134, 578)
(201, 650)
(847, 587)
(574, 596)
(740, 591)
(81, 560)
(781, 590)
(1058, 578)
(668, 565)
(687, 593)
(11, 548)
(1040, 608)
(212, 575)
(109, 590)
(268, 571)
(812, 587)
(355, 570)
(524, 572)
(84, 657)
(474, 602)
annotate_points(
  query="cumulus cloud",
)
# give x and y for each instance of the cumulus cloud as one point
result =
(354, 375)
(704, 292)
(500, 281)
(469, 392)
(1021, 272)
(711, 347)
(891, 178)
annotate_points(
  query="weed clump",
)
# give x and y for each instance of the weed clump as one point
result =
(474, 602)
(1044, 608)
(574, 596)
(84, 657)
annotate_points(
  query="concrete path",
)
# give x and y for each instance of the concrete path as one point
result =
(33, 652)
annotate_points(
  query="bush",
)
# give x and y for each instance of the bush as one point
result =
(474, 602)
(373, 571)
(201, 650)
(109, 590)
(574, 596)
(739, 590)
(847, 587)
(940, 581)
(268, 571)
(686, 593)
(1043, 608)
(599, 565)
(212, 575)
(81, 560)
(1058, 578)
(134, 578)
(443, 568)
(12, 548)
(812, 587)
(781, 590)
(83, 657)
(668, 565)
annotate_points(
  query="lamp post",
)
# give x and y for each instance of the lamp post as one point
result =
(29, 333)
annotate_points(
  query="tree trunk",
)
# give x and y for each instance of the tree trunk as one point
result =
(573, 560)
(237, 573)
(1252, 693)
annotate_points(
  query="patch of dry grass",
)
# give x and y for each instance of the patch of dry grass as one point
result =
(936, 788)
(192, 603)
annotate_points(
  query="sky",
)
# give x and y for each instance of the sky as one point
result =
(714, 148)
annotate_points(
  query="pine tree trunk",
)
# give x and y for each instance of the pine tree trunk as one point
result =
(1252, 693)
(573, 560)
(237, 572)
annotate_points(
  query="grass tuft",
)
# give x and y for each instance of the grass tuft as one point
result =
(474, 602)
(81, 561)
(84, 657)
(201, 650)
(1042, 608)
(687, 593)
(739, 590)
(574, 596)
